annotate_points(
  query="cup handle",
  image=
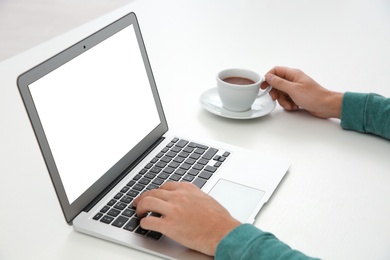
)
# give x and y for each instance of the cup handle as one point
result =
(264, 92)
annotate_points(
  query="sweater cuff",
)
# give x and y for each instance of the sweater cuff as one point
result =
(232, 246)
(352, 111)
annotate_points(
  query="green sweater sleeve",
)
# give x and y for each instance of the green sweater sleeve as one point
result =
(249, 242)
(366, 113)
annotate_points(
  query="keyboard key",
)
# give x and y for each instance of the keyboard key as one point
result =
(195, 156)
(168, 170)
(143, 171)
(132, 224)
(111, 202)
(205, 175)
(210, 168)
(118, 196)
(210, 153)
(190, 161)
(198, 167)
(188, 149)
(138, 187)
(185, 166)
(188, 178)
(158, 181)
(199, 182)
(127, 199)
(150, 175)
(182, 143)
(183, 154)
(98, 216)
(178, 159)
(144, 181)
(105, 209)
(154, 234)
(141, 231)
(203, 161)
(204, 147)
(152, 186)
(133, 193)
(125, 189)
(193, 172)
(163, 175)
(106, 219)
(131, 183)
(170, 144)
(128, 212)
(161, 164)
(137, 177)
(148, 166)
(225, 154)
(120, 205)
(155, 169)
(176, 149)
(199, 151)
(174, 165)
(166, 159)
(175, 177)
(120, 221)
(171, 154)
(180, 172)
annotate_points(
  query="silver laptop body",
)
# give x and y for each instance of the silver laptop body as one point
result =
(99, 122)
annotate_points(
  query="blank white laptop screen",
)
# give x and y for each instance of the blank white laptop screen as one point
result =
(77, 111)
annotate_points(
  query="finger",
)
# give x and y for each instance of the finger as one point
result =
(278, 82)
(264, 84)
(157, 193)
(274, 93)
(152, 204)
(285, 72)
(170, 185)
(153, 223)
(286, 102)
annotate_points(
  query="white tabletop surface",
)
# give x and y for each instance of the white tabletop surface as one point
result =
(334, 201)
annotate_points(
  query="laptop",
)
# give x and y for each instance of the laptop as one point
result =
(100, 125)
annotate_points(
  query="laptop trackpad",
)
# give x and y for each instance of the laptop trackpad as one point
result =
(238, 199)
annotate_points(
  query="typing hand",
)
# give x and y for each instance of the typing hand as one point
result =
(188, 216)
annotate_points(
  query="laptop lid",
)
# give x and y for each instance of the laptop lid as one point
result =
(67, 100)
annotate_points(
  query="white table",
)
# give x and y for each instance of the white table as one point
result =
(333, 203)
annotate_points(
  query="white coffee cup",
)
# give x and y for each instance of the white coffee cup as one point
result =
(239, 88)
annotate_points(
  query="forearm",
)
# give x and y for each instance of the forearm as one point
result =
(248, 242)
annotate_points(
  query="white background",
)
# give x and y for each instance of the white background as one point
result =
(332, 204)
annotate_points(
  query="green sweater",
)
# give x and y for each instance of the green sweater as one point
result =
(366, 113)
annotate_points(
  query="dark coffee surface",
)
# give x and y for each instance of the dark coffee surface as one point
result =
(238, 80)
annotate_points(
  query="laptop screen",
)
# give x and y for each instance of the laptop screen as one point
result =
(95, 109)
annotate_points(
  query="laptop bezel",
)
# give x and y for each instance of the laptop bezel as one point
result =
(70, 211)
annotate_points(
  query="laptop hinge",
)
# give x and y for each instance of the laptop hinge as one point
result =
(121, 176)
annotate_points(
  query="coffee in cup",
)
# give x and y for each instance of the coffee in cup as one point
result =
(239, 88)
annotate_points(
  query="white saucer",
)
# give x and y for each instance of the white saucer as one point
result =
(211, 102)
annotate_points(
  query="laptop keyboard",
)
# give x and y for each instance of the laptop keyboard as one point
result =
(180, 160)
